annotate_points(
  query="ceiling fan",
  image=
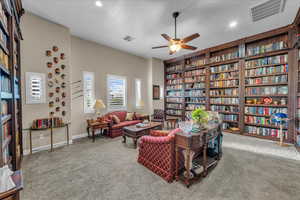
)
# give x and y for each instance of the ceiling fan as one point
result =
(175, 44)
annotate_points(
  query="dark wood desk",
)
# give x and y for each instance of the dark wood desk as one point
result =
(66, 125)
(136, 132)
(194, 148)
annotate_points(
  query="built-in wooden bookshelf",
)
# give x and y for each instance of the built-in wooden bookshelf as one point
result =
(246, 81)
(10, 92)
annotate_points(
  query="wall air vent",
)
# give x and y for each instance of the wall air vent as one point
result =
(267, 9)
(128, 38)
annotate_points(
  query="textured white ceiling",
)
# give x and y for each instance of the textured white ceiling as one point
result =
(145, 20)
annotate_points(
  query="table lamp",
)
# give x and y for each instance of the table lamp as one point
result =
(98, 106)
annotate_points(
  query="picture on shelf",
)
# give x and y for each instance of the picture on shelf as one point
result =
(156, 92)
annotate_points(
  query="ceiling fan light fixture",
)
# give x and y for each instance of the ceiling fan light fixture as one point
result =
(175, 47)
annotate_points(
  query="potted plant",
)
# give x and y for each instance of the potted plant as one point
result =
(200, 117)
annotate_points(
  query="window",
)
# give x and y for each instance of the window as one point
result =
(116, 89)
(138, 93)
(88, 91)
(35, 88)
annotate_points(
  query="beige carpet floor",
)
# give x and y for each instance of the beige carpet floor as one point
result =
(108, 170)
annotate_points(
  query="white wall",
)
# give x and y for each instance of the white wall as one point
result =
(102, 60)
(39, 36)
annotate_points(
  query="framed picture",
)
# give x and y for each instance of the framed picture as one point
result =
(156, 92)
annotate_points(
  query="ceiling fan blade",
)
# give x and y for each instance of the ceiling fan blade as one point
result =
(184, 46)
(191, 37)
(160, 47)
(166, 37)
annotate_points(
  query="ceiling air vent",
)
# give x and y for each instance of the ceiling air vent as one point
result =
(128, 38)
(267, 9)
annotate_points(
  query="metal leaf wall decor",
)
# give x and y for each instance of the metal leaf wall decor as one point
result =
(56, 81)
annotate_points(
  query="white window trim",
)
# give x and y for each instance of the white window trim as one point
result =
(135, 89)
(29, 98)
(87, 109)
(107, 92)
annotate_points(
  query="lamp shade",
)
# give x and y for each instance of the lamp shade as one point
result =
(99, 105)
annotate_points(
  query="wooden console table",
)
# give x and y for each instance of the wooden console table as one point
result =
(191, 145)
(51, 134)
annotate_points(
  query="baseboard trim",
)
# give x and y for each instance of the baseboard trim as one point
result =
(59, 144)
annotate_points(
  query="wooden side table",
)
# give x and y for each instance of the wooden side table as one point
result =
(97, 126)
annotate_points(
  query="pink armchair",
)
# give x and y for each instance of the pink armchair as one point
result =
(157, 153)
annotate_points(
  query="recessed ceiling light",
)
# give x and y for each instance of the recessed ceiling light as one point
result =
(99, 3)
(233, 24)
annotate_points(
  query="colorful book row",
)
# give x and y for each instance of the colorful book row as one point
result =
(267, 80)
(260, 131)
(267, 70)
(218, 92)
(251, 51)
(274, 90)
(281, 59)
(224, 68)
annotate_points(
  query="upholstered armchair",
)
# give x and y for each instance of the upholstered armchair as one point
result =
(157, 153)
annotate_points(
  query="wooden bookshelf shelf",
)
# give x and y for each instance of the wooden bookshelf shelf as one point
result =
(195, 76)
(220, 72)
(174, 108)
(173, 115)
(257, 115)
(262, 66)
(235, 60)
(264, 125)
(223, 96)
(226, 79)
(228, 112)
(230, 121)
(224, 104)
(268, 54)
(194, 103)
(194, 88)
(267, 95)
(263, 75)
(224, 87)
(174, 102)
(266, 105)
(266, 84)
(176, 72)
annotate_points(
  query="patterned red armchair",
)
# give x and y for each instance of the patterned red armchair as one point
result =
(157, 153)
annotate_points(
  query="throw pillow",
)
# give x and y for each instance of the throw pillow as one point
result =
(115, 119)
(129, 116)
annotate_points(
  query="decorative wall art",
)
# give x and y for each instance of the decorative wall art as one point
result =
(56, 82)
(156, 92)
